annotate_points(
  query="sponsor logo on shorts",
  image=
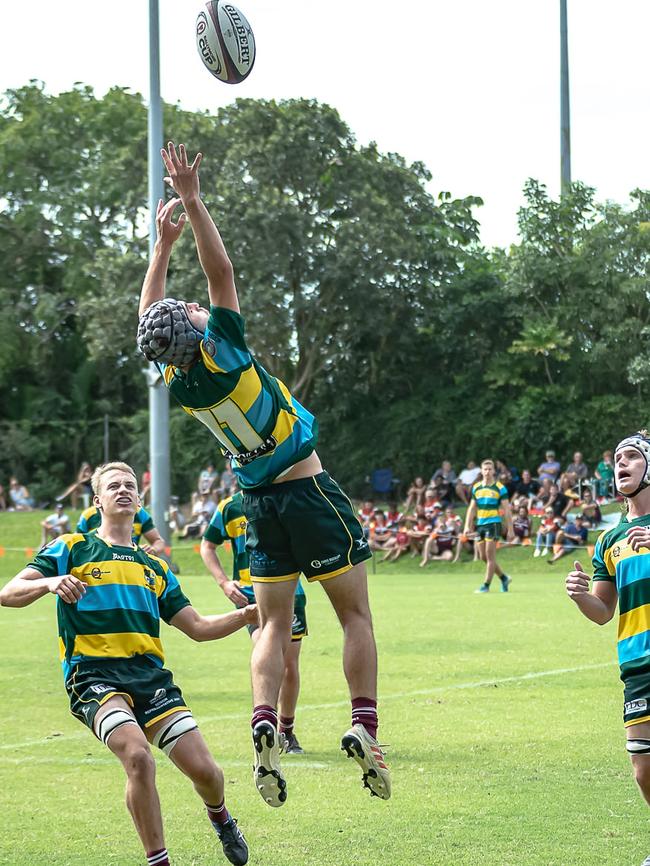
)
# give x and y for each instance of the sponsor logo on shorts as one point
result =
(158, 695)
(100, 689)
(638, 706)
(321, 563)
(361, 543)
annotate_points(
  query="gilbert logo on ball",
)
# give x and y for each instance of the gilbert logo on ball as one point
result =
(225, 41)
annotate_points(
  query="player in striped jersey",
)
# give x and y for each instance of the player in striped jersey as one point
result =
(111, 596)
(488, 498)
(228, 523)
(143, 527)
(621, 565)
(299, 519)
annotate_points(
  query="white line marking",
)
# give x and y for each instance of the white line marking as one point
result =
(495, 681)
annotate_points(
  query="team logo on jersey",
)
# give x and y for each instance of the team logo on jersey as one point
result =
(210, 347)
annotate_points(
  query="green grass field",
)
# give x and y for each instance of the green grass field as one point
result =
(503, 715)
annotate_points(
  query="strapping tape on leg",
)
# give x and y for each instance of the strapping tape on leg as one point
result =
(638, 747)
(179, 725)
(111, 722)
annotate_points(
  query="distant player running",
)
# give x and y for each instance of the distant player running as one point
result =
(228, 523)
(111, 596)
(621, 564)
(299, 520)
(488, 496)
(143, 528)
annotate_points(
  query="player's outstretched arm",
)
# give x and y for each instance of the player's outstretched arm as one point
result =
(201, 628)
(184, 180)
(168, 232)
(29, 585)
(598, 605)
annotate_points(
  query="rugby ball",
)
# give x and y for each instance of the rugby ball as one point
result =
(225, 41)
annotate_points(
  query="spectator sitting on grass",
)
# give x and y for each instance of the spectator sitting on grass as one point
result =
(559, 501)
(431, 505)
(543, 494)
(605, 475)
(55, 524)
(419, 534)
(400, 545)
(573, 534)
(415, 494)
(443, 481)
(590, 509)
(442, 541)
(379, 533)
(202, 511)
(366, 512)
(526, 487)
(393, 516)
(550, 468)
(569, 486)
(503, 474)
(521, 525)
(545, 533)
(19, 496)
(466, 480)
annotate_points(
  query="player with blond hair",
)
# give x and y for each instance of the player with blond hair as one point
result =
(110, 598)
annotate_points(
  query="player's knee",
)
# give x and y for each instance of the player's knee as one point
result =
(138, 761)
(207, 774)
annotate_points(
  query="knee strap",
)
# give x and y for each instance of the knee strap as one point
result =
(638, 747)
(111, 722)
(179, 725)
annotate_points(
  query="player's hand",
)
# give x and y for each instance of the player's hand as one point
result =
(250, 614)
(577, 581)
(231, 591)
(181, 176)
(69, 588)
(169, 231)
(638, 536)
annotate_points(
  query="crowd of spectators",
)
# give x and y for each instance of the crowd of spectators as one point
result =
(567, 501)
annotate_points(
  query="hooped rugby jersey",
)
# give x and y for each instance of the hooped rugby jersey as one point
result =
(629, 570)
(259, 425)
(127, 593)
(91, 518)
(488, 498)
(228, 523)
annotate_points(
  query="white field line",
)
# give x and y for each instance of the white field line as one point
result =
(477, 684)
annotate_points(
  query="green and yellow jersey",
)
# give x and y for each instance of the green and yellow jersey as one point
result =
(488, 498)
(228, 523)
(91, 518)
(127, 593)
(615, 561)
(259, 425)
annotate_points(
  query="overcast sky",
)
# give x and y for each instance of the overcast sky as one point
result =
(470, 87)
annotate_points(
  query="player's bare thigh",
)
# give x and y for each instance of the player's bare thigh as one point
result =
(348, 592)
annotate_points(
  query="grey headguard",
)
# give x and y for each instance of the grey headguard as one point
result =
(165, 334)
(641, 443)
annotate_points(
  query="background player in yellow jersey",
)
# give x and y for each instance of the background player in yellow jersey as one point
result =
(299, 520)
(621, 564)
(228, 523)
(111, 596)
(488, 498)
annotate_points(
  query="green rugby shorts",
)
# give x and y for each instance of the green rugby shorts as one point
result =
(306, 525)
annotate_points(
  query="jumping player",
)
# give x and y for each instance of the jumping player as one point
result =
(621, 564)
(487, 496)
(111, 596)
(228, 523)
(299, 520)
